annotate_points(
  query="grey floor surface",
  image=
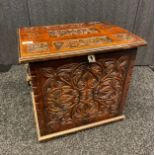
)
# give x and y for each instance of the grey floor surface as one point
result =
(133, 136)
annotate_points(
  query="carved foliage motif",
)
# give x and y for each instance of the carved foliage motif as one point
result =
(79, 93)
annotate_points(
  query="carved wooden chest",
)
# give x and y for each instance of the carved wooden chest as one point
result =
(79, 74)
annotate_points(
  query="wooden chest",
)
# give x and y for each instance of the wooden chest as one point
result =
(79, 74)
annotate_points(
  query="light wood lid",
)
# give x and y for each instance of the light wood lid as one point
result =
(42, 43)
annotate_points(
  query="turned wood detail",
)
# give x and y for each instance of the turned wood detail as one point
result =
(80, 93)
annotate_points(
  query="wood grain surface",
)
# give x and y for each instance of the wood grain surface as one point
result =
(69, 40)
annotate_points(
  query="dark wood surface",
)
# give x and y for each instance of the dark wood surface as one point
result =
(69, 40)
(73, 92)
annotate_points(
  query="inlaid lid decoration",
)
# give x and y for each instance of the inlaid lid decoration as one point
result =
(61, 41)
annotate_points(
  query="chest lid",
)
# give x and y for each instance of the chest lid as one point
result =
(41, 43)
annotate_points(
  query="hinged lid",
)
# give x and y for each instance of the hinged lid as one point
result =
(61, 41)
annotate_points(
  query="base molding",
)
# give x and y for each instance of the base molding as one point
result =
(65, 132)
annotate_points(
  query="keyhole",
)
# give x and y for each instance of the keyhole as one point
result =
(91, 58)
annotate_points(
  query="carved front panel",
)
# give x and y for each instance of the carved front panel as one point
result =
(75, 92)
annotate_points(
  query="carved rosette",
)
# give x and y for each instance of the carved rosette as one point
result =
(81, 93)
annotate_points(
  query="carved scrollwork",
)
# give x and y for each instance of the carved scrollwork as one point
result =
(79, 93)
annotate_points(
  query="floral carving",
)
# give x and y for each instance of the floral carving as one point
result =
(79, 93)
